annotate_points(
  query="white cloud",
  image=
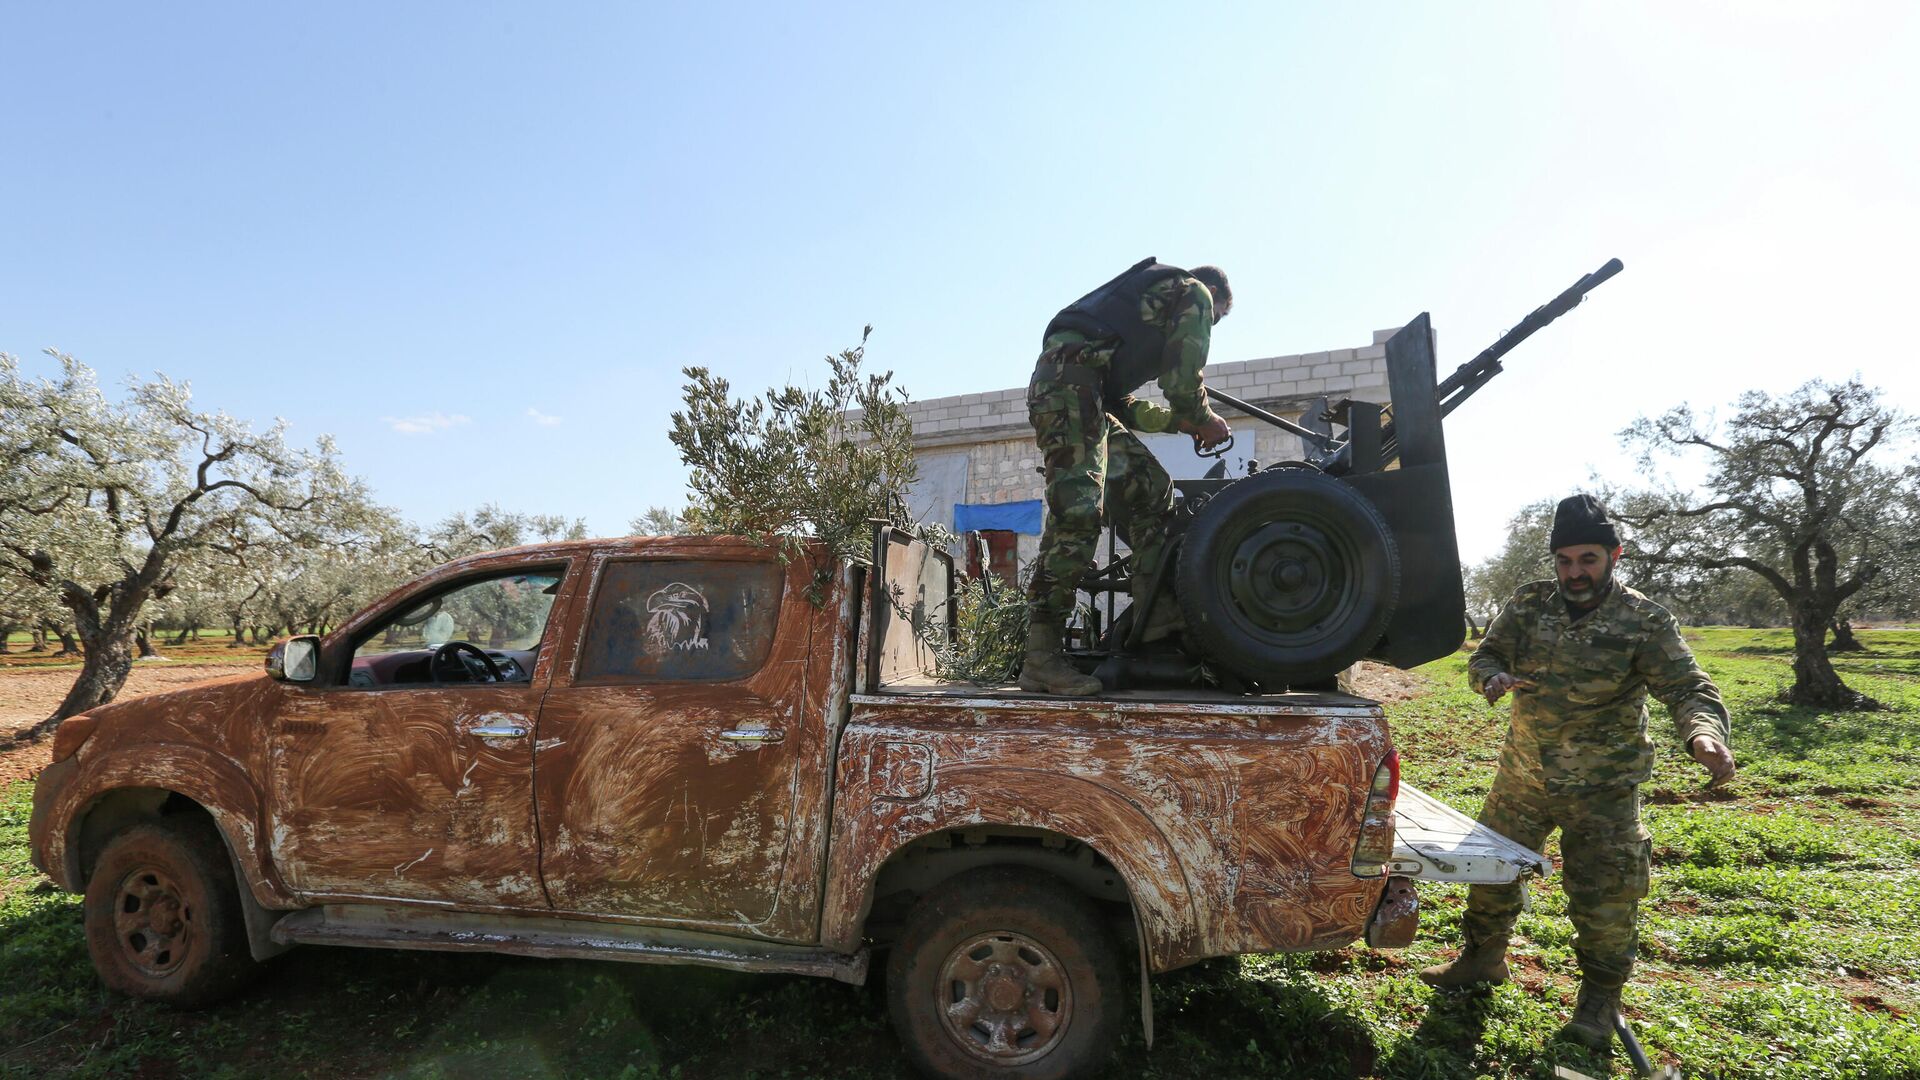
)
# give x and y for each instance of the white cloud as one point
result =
(421, 425)
(542, 418)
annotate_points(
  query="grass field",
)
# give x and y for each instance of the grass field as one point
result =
(1782, 939)
(211, 648)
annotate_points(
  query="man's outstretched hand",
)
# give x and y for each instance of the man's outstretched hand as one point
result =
(1497, 686)
(1714, 754)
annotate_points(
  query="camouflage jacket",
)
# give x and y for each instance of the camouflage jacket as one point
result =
(1185, 308)
(1584, 722)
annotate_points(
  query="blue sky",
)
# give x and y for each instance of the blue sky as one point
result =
(477, 243)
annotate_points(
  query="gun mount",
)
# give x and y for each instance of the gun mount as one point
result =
(1289, 575)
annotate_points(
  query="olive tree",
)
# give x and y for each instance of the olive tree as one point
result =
(1523, 558)
(102, 502)
(1799, 493)
(657, 521)
(794, 463)
(491, 528)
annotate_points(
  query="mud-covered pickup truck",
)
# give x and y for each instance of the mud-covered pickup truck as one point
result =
(682, 750)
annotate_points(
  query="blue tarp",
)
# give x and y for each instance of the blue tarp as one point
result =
(1020, 517)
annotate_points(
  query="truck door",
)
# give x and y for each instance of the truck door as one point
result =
(408, 775)
(677, 769)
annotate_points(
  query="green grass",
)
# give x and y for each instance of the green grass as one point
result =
(1782, 940)
(212, 647)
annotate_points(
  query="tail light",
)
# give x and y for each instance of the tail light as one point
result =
(1375, 848)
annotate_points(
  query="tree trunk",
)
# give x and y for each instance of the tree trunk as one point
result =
(39, 640)
(181, 637)
(1843, 639)
(109, 658)
(143, 641)
(69, 645)
(239, 637)
(1815, 683)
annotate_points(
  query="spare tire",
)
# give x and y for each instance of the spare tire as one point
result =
(1289, 576)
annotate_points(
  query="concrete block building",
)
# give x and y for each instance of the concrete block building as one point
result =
(979, 469)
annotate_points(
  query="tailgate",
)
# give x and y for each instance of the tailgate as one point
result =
(1434, 842)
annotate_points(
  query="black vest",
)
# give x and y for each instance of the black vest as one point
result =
(1113, 310)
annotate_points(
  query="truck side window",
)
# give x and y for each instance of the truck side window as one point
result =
(504, 616)
(675, 620)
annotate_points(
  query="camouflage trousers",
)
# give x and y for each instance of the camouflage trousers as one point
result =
(1604, 852)
(1095, 469)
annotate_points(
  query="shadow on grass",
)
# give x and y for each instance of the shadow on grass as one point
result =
(1447, 1040)
(1216, 1020)
(1799, 730)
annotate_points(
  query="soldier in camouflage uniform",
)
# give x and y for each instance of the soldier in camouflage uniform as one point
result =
(1580, 654)
(1152, 321)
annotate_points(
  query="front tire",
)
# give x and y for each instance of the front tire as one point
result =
(163, 917)
(1005, 972)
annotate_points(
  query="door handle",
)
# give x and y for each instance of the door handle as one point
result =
(754, 735)
(498, 731)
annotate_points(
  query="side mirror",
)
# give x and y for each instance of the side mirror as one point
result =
(295, 659)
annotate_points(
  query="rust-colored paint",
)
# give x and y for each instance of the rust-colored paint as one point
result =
(643, 800)
(694, 803)
(1233, 827)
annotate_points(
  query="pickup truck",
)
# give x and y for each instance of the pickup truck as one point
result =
(687, 750)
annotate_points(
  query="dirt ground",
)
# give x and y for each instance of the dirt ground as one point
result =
(28, 695)
(1383, 683)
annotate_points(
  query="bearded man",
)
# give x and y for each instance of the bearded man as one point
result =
(1580, 654)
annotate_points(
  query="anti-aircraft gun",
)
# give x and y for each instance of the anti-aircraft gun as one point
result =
(1289, 575)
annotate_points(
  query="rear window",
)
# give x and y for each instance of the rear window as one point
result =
(680, 621)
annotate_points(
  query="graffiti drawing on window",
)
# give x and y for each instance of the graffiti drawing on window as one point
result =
(676, 619)
(680, 620)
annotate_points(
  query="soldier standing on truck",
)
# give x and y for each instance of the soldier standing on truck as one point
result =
(1152, 321)
(1580, 654)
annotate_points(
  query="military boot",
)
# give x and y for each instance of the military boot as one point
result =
(1164, 621)
(1480, 963)
(1046, 670)
(1593, 1013)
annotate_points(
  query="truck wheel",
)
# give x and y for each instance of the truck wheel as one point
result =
(162, 916)
(1005, 972)
(1287, 577)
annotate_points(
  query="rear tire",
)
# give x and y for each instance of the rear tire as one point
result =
(162, 915)
(1006, 972)
(1289, 577)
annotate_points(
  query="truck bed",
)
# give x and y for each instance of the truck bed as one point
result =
(1432, 841)
(927, 686)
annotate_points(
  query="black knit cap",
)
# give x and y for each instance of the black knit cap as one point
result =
(1580, 519)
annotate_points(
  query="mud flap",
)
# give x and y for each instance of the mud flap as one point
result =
(1146, 987)
(257, 919)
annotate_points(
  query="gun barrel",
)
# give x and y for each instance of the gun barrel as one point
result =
(1472, 375)
(1536, 319)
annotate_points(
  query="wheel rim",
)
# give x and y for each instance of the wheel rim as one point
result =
(1005, 998)
(1292, 580)
(153, 921)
